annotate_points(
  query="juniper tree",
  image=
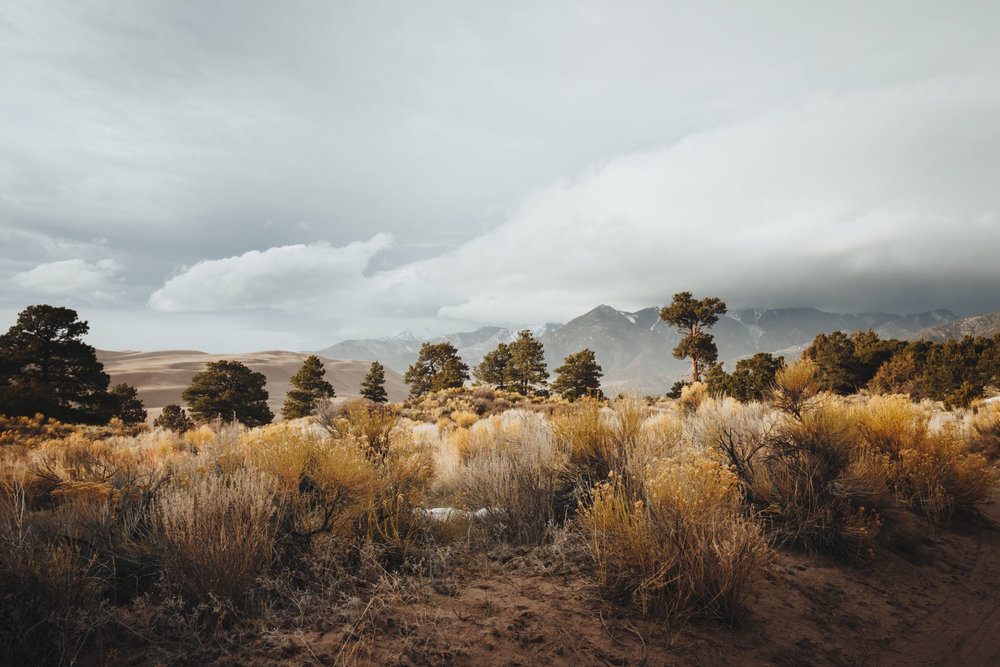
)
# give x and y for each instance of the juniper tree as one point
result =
(46, 367)
(125, 404)
(174, 418)
(438, 367)
(579, 376)
(308, 387)
(229, 391)
(373, 386)
(691, 317)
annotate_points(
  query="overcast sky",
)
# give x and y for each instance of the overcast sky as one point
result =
(234, 176)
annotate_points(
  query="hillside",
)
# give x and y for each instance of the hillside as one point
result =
(635, 348)
(161, 376)
(982, 325)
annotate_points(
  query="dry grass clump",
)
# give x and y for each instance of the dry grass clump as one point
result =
(515, 475)
(31, 431)
(369, 424)
(808, 491)
(481, 401)
(932, 470)
(51, 589)
(216, 533)
(796, 386)
(692, 396)
(985, 426)
(678, 544)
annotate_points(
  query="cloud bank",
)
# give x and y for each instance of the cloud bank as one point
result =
(70, 277)
(864, 201)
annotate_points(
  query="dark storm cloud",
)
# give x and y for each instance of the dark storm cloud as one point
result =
(529, 159)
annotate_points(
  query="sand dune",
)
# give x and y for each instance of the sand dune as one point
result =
(162, 375)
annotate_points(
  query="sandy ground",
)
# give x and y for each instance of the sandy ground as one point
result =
(161, 376)
(938, 605)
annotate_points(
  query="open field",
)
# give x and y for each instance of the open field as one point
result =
(810, 529)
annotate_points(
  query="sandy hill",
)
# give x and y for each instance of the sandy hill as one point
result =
(161, 376)
(981, 325)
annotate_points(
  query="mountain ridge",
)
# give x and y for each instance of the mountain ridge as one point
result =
(635, 348)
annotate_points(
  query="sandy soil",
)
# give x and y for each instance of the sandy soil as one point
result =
(161, 376)
(938, 605)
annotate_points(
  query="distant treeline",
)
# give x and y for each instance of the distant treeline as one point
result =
(956, 372)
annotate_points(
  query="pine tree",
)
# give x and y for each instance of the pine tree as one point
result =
(46, 367)
(309, 386)
(493, 368)
(229, 391)
(438, 367)
(692, 317)
(373, 386)
(174, 418)
(126, 404)
(525, 370)
(579, 376)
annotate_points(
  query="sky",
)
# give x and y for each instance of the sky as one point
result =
(241, 175)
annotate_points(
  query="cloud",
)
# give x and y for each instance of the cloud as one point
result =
(70, 277)
(870, 200)
(280, 278)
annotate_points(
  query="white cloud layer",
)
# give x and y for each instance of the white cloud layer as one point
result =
(870, 200)
(282, 278)
(71, 277)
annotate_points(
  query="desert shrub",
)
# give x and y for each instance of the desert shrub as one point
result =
(985, 426)
(515, 475)
(464, 419)
(371, 424)
(31, 431)
(50, 588)
(898, 375)
(678, 544)
(930, 469)
(740, 432)
(216, 533)
(324, 486)
(804, 485)
(693, 395)
(796, 386)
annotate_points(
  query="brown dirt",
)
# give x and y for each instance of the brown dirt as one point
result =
(936, 605)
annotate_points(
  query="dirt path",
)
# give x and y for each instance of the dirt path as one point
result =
(940, 605)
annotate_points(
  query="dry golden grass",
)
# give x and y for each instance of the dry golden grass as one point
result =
(679, 544)
(675, 507)
(796, 386)
(933, 470)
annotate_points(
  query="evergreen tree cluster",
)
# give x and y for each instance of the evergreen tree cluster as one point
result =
(752, 380)
(518, 366)
(956, 371)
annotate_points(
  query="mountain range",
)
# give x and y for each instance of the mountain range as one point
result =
(635, 348)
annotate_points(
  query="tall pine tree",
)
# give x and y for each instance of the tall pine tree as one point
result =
(526, 370)
(308, 387)
(373, 386)
(46, 367)
(579, 376)
(691, 317)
